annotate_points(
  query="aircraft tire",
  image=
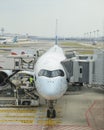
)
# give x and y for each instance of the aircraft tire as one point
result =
(48, 113)
(54, 113)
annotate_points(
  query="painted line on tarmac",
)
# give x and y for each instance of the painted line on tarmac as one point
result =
(18, 111)
(18, 117)
(87, 114)
(19, 121)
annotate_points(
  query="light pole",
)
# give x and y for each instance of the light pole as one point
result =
(90, 36)
(97, 34)
(2, 31)
(94, 35)
(87, 35)
(84, 35)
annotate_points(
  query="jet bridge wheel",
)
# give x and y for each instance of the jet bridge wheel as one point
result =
(51, 113)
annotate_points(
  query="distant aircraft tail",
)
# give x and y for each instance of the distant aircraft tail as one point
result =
(15, 39)
(56, 38)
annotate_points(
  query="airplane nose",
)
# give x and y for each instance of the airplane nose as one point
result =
(51, 89)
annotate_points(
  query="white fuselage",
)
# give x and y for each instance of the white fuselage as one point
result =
(50, 76)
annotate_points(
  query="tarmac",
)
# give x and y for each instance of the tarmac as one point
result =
(81, 110)
(77, 110)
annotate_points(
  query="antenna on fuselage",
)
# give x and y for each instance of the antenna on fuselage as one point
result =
(56, 38)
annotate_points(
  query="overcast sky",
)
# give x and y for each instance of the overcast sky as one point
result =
(38, 17)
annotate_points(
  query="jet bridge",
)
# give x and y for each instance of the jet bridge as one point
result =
(79, 68)
(98, 68)
(86, 69)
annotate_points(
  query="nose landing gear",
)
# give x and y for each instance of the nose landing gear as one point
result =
(51, 112)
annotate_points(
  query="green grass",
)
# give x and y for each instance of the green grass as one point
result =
(86, 52)
(72, 44)
(84, 48)
(8, 46)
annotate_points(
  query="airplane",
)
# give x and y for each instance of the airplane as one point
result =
(6, 40)
(50, 77)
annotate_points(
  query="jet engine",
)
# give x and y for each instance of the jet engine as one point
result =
(3, 76)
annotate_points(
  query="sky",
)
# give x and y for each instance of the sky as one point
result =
(38, 17)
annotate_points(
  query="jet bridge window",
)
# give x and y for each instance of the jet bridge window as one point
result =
(51, 74)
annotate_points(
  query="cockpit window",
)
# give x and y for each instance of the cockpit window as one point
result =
(51, 74)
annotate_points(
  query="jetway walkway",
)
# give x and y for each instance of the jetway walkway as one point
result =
(86, 69)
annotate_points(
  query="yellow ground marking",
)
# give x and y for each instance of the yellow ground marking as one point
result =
(42, 120)
(17, 111)
(49, 122)
(33, 116)
(21, 121)
(19, 117)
